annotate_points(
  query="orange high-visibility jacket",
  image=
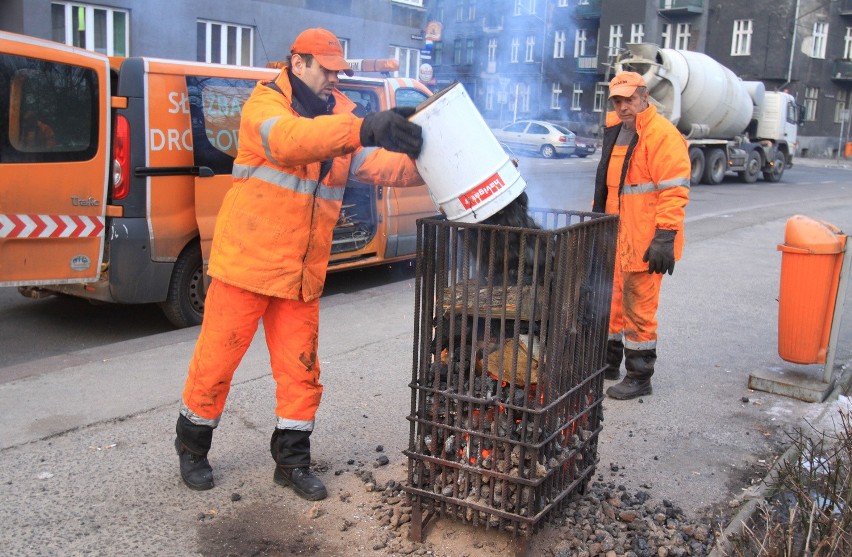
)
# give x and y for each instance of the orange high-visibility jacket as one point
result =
(274, 230)
(654, 190)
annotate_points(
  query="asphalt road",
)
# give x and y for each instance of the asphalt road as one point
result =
(86, 452)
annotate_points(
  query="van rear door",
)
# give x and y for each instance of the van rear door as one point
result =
(54, 161)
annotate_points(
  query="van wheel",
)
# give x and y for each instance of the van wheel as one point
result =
(753, 164)
(696, 163)
(777, 169)
(547, 151)
(714, 166)
(184, 306)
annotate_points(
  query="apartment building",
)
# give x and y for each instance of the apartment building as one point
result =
(244, 32)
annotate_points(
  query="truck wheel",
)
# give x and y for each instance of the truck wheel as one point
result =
(547, 151)
(184, 306)
(714, 166)
(753, 164)
(696, 162)
(776, 170)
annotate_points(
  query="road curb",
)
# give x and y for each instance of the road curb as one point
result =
(764, 491)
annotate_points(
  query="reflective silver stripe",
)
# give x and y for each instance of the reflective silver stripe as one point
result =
(298, 425)
(265, 128)
(674, 182)
(649, 187)
(614, 336)
(330, 193)
(195, 418)
(633, 345)
(275, 177)
(359, 158)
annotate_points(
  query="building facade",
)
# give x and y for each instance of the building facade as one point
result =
(547, 59)
(245, 32)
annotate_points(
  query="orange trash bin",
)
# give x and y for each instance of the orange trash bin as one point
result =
(811, 260)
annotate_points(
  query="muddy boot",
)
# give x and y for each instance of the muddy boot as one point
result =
(192, 444)
(640, 368)
(291, 450)
(614, 355)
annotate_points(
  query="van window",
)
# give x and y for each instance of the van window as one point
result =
(215, 107)
(410, 97)
(365, 100)
(48, 111)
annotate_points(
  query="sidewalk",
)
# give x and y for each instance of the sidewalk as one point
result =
(88, 465)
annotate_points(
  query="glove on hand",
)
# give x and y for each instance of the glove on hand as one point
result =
(391, 129)
(660, 254)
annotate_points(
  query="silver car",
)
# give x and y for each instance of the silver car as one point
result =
(550, 140)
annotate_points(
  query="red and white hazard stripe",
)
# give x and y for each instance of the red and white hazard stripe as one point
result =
(50, 226)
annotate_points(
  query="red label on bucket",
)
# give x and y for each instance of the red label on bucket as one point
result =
(483, 191)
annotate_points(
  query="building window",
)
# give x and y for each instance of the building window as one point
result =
(469, 50)
(600, 92)
(555, 92)
(529, 53)
(820, 35)
(741, 41)
(576, 97)
(492, 51)
(524, 93)
(847, 44)
(666, 36)
(682, 36)
(437, 54)
(516, 45)
(344, 44)
(457, 51)
(409, 61)
(811, 97)
(489, 97)
(637, 32)
(471, 10)
(615, 34)
(579, 43)
(559, 44)
(416, 3)
(518, 10)
(466, 10)
(103, 30)
(563, 3)
(223, 43)
(841, 108)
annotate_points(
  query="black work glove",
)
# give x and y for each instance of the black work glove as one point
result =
(392, 130)
(660, 254)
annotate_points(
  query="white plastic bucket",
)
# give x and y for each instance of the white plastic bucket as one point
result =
(469, 176)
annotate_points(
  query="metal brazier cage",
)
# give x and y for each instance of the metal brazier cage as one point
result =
(509, 348)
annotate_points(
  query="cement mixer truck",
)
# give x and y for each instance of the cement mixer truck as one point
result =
(729, 124)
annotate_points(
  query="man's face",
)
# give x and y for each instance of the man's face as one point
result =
(320, 80)
(628, 107)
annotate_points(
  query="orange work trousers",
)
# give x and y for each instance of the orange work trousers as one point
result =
(633, 313)
(231, 317)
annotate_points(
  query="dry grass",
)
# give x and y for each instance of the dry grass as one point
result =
(810, 511)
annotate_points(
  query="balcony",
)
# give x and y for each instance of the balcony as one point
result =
(842, 70)
(587, 64)
(589, 9)
(681, 7)
(845, 7)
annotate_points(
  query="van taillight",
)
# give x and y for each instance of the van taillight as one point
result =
(121, 158)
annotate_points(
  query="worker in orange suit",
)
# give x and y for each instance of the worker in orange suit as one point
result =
(643, 177)
(298, 142)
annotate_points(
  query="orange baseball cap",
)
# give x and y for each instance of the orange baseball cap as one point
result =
(624, 84)
(324, 47)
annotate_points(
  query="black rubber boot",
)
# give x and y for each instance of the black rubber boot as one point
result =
(614, 355)
(291, 450)
(192, 445)
(640, 368)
